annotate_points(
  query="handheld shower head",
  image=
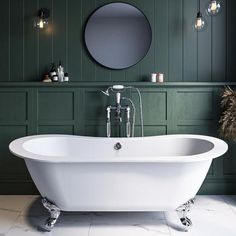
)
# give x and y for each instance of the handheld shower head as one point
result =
(114, 88)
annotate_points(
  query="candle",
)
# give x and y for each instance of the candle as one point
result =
(160, 77)
(154, 77)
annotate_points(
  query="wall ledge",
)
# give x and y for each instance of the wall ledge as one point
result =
(105, 84)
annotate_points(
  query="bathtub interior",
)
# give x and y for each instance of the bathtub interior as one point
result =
(72, 146)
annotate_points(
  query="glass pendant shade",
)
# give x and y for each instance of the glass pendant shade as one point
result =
(200, 22)
(40, 23)
(42, 19)
(213, 7)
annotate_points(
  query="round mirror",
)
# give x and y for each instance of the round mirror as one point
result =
(118, 35)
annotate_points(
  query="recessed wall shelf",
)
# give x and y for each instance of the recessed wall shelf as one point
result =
(101, 84)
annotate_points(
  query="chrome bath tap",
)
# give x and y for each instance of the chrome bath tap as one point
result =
(118, 115)
(118, 110)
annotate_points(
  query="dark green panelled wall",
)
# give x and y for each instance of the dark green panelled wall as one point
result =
(196, 66)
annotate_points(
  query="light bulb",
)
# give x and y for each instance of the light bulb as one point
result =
(213, 7)
(199, 23)
(41, 24)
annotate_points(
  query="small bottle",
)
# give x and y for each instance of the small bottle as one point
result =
(60, 73)
(53, 71)
(55, 78)
(66, 77)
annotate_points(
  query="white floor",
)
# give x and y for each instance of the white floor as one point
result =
(211, 216)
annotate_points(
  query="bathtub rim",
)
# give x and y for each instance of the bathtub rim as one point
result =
(220, 147)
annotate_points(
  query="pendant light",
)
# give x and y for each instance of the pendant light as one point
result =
(213, 7)
(42, 18)
(199, 22)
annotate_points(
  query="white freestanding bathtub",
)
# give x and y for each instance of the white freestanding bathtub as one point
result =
(159, 173)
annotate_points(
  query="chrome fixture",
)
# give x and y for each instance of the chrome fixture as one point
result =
(213, 7)
(118, 108)
(199, 22)
(128, 124)
(42, 18)
(54, 215)
(128, 127)
(182, 213)
(109, 121)
(117, 146)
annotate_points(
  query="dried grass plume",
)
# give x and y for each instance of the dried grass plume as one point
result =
(228, 117)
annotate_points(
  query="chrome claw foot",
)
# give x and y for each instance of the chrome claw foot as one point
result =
(182, 213)
(186, 222)
(54, 214)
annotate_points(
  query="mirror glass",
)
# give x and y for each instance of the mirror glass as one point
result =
(118, 35)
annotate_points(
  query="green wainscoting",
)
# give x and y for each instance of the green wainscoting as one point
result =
(80, 109)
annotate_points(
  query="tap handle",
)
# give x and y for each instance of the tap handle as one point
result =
(128, 126)
(109, 121)
(108, 129)
(128, 129)
(108, 113)
(127, 113)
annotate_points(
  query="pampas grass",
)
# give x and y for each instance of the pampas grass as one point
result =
(228, 117)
